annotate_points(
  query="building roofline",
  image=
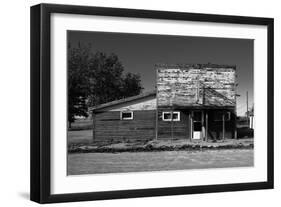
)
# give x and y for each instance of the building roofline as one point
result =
(194, 66)
(121, 101)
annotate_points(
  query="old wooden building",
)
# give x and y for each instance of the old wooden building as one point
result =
(192, 101)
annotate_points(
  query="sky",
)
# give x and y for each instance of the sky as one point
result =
(139, 53)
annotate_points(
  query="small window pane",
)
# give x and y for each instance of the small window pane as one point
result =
(127, 115)
(197, 126)
(167, 115)
(175, 115)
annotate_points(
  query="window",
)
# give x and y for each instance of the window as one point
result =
(218, 116)
(197, 126)
(197, 121)
(167, 116)
(126, 115)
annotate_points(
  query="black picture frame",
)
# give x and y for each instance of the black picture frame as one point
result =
(41, 95)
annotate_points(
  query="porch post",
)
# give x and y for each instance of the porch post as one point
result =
(94, 125)
(191, 124)
(235, 126)
(203, 124)
(223, 127)
(172, 124)
(206, 126)
(156, 124)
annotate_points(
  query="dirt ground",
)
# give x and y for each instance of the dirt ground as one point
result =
(94, 163)
(86, 137)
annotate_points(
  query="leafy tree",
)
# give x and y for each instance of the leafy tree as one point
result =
(78, 82)
(131, 85)
(97, 78)
(106, 78)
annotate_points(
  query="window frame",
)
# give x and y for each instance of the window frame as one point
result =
(126, 118)
(170, 112)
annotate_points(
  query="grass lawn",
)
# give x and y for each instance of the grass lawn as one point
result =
(80, 136)
(92, 163)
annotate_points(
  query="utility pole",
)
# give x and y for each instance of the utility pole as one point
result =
(247, 108)
(172, 114)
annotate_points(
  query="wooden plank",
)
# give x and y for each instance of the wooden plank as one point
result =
(189, 123)
(207, 126)
(94, 126)
(202, 124)
(148, 103)
(173, 129)
(191, 131)
(156, 111)
(235, 126)
(156, 124)
(109, 126)
(179, 86)
(172, 124)
(223, 127)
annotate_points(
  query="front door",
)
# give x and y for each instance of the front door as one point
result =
(197, 131)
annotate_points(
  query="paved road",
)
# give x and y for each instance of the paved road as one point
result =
(91, 163)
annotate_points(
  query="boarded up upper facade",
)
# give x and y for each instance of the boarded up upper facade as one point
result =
(195, 102)
(196, 85)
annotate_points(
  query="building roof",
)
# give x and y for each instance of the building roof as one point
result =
(124, 100)
(194, 66)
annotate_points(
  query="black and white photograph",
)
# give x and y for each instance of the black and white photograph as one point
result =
(149, 102)
(133, 103)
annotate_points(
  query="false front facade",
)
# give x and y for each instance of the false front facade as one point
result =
(194, 102)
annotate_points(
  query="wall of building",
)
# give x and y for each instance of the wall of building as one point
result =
(192, 85)
(108, 126)
(215, 127)
(173, 129)
(182, 129)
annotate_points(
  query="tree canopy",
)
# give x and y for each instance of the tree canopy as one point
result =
(96, 78)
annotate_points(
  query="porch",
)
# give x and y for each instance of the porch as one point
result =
(196, 124)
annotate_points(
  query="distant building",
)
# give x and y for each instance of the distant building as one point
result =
(192, 101)
(251, 119)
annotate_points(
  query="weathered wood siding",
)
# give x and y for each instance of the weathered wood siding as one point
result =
(174, 129)
(148, 103)
(215, 128)
(196, 85)
(108, 126)
(182, 129)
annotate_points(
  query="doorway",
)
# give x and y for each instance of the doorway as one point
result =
(197, 125)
